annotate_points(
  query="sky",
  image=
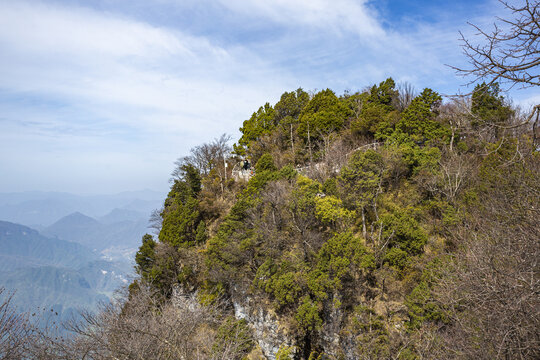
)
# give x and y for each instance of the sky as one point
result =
(103, 96)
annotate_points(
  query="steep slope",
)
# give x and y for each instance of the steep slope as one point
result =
(374, 225)
(369, 228)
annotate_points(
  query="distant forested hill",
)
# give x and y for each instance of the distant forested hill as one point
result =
(21, 246)
(47, 273)
(115, 230)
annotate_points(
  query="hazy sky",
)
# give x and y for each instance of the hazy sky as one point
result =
(103, 96)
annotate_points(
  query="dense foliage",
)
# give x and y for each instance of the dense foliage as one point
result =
(364, 205)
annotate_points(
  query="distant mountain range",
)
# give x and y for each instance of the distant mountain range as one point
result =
(65, 252)
(41, 209)
(47, 273)
(118, 215)
(114, 231)
(21, 247)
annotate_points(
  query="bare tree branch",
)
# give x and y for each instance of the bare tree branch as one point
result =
(510, 52)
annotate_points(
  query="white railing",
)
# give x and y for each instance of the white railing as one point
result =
(239, 173)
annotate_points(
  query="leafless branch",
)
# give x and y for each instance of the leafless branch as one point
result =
(510, 52)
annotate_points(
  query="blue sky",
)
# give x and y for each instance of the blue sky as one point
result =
(103, 96)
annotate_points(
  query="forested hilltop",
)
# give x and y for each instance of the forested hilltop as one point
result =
(373, 225)
(379, 224)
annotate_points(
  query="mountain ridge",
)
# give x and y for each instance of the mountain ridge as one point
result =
(25, 246)
(56, 274)
(45, 208)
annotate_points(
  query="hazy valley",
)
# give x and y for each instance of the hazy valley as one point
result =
(58, 258)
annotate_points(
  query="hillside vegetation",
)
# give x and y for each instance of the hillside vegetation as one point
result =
(381, 224)
(408, 232)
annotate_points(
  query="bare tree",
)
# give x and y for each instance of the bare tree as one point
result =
(449, 178)
(406, 94)
(205, 157)
(491, 288)
(156, 221)
(14, 329)
(509, 53)
(145, 326)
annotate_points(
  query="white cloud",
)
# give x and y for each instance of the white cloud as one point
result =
(336, 15)
(114, 64)
(82, 83)
(528, 100)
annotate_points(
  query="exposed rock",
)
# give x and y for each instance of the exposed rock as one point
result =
(388, 309)
(268, 331)
(183, 299)
(330, 332)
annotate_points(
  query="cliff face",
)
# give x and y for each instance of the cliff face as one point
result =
(269, 330)
(272, 332)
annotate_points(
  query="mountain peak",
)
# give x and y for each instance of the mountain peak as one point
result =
(73, 222)
(77, 218)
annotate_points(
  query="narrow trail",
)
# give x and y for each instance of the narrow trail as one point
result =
(238, 172)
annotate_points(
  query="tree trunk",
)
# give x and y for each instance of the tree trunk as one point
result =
(364, 231)
(309, 145)
(292, 144)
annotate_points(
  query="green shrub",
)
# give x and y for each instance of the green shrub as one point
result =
(397, 258)
(404, 231)
(265, 163)
(236, 334)
(146, 256)
(285, 353)
(421, 302)
(307, 315)
(282, 282)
